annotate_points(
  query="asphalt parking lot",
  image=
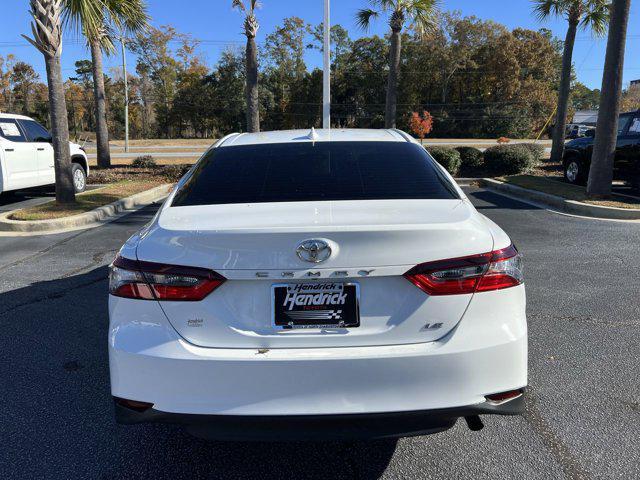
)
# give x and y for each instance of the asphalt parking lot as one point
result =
(29, 198)
(583, 411)
(25, 198)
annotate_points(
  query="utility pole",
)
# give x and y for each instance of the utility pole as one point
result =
(326, 77)
(126, 95)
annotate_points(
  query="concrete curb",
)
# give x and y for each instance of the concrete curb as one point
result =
(562, 204)
(99, 215)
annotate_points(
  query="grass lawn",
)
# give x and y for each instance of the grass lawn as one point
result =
(187, 150)
(570, 192)
(124, 162)
(182, 142)
(159, 175)
(88, 201)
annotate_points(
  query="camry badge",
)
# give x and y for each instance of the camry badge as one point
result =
(314, 251)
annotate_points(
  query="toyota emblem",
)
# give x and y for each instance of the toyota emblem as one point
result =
(314, 251)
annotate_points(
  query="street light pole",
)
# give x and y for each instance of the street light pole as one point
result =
(126, 96)
(326, 77)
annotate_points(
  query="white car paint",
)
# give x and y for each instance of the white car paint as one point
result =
(303, 136)
(223, 355)
(151, 362)
(234, 238)
(25, 163)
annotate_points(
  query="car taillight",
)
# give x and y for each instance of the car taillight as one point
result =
(477, 273)
(155, 281)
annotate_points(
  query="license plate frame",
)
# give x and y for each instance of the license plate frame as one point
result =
(347, 317)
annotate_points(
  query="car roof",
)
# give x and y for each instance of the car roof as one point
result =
(320, 135)
(14, 116)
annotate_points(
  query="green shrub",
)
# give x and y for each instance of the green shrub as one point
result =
(449, 158)
(145, 161)
(508, 160)
(173, 173)
(536, 149)
(472, 160)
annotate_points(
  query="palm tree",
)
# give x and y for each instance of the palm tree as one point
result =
(47, 38)
(98, 19)
(591, 14)
(422, 15)
(604, 148)
(251, 30)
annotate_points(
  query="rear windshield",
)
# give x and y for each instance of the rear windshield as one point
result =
(304, 172)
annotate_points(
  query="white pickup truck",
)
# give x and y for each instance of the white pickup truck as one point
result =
(26, 156)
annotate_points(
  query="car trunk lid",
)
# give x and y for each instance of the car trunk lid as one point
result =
(373, 244)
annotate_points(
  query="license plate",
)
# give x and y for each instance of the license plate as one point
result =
(316, 305)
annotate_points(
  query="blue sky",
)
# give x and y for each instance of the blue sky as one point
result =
(214, 22)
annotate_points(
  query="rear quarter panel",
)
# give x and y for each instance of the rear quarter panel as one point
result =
(2, 167)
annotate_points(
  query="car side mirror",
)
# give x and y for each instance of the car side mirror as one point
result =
(590, 133)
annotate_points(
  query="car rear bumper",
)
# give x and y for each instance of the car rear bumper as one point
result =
(486, 353)
(317, 427)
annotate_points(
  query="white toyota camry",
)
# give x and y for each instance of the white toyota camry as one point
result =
(325, 285)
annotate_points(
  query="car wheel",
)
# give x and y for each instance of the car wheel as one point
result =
(574, 172)
(79, 178)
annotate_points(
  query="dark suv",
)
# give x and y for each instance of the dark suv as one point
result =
(577, 153)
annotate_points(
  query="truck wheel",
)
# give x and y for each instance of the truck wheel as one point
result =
(79, 178)
(575, 172)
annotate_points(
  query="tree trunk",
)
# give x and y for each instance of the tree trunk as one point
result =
(557, 149)
(102, 130)
(253, 99)
(65, 192)
(26, 103)
(445, 85)
(604, 148)
(392, 83)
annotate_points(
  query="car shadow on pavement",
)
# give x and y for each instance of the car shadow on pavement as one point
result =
(487, 200)
(57, 413)
(21, 195)
(29, 197)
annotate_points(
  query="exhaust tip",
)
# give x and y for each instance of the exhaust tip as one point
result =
(504, 397)
(133, 404)
(474, 423)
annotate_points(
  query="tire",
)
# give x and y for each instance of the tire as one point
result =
(575, 172)
(79, 178)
